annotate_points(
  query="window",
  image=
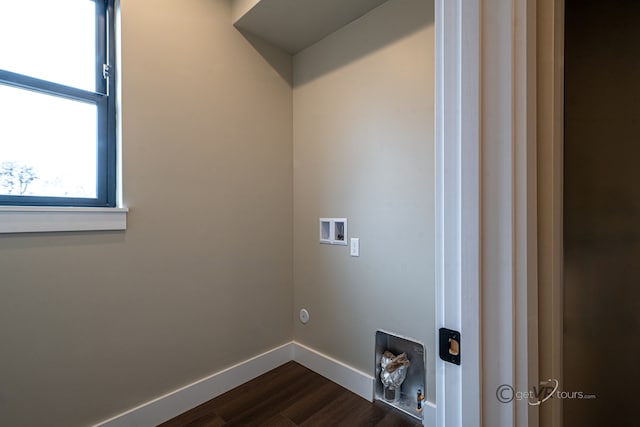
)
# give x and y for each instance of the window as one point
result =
(57, 106)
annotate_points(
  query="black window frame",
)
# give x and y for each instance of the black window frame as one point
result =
(103, 98)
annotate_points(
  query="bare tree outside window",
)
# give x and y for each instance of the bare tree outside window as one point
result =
(16, 177)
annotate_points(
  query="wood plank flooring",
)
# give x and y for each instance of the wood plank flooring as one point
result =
(291, 396)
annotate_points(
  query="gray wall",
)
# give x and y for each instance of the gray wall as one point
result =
(602, 211)
(95, 323)
(92, 324)
(363, 149)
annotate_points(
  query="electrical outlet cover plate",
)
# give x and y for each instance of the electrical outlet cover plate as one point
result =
(355, 246)
(304, 316)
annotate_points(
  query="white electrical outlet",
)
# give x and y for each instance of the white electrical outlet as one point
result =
(355, 246)
(304, 316)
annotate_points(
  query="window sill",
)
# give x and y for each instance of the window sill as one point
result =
(40, 219)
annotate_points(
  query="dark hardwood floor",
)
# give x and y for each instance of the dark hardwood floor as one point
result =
(288, 396)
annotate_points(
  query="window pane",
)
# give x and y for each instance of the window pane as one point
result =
(47, 145)
(50, 40)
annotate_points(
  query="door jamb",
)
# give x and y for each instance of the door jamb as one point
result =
(486, 208)
(550, 197)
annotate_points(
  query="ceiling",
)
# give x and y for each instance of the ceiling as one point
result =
(295, 24)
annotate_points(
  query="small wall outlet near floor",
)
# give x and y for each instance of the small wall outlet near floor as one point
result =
(333, 231)
(304, 316)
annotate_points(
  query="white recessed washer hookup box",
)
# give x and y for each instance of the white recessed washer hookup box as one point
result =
(333, 231)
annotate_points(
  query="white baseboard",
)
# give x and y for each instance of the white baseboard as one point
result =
(429, 414)
(350, 378)
(181, 400)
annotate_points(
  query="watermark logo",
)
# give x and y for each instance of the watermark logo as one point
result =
(505, 393)
(543, 392)
(538, 394)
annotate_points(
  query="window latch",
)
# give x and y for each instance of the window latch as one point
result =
(106, 71)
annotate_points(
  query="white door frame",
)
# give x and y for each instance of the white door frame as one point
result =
(550, 69)
(486, 208)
